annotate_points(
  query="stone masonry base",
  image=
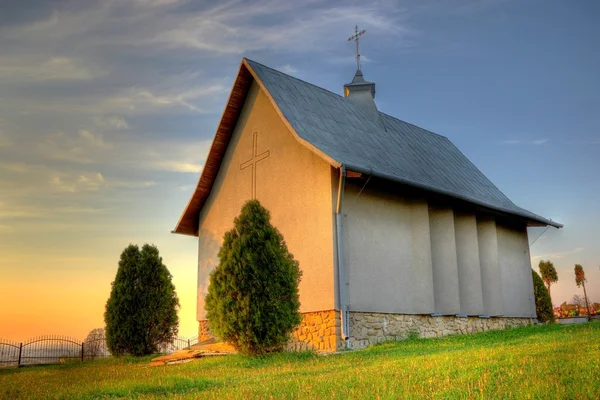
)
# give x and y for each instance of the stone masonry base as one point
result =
(321, 330)
(203, 332)
(370, 328)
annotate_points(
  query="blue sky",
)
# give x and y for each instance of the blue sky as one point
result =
(107, 110)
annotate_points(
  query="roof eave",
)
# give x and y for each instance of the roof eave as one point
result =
(188, 222)
(528, 218)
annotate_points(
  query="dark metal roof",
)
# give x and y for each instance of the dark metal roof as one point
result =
(398, 151)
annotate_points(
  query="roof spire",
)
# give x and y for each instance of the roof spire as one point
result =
(355, 38)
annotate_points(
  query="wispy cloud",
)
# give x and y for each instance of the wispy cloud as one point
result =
(524, 142)
(177, 166)
(30, 69)
(112, 122)
(157, 3)
(84, 182)
(288, 69)
(80, 148)
(144, 100)
(227, 28)
(558, 255)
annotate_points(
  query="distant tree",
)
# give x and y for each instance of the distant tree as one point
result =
(141, 313)
(548, 272)
(543, 304)
(94, 344)
(580, 280)
(578, 300)
(252, 299)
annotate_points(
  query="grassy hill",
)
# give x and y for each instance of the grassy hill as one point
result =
(542, 362)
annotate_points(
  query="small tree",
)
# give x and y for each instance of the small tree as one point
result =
(543, 303)
(252, 299)
(141, 313)
(549, 275)
(580, 280)
(94, 344)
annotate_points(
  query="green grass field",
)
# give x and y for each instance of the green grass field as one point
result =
(542, 362)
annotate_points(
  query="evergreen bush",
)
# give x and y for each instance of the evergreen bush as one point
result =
(252, 299)
(543, 303)
(141, 312)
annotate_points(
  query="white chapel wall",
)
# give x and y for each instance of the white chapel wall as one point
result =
(292, 183)
(514, 265)
(387, 252)
(407, 257)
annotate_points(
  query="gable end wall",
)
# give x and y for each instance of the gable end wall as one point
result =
(293, 183)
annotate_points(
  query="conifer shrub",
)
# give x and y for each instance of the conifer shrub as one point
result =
(543, 303)
(252, 299)
(141, 312)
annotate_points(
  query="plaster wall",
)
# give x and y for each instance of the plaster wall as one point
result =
(467, 257)
(445, 265)
(515, 271)
(490, 272)
(387, 252)
(293, 183)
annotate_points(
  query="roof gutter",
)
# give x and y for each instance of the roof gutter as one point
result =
(533, 217)
(344, 314)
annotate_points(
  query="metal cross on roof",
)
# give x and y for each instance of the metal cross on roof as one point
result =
(355, 38)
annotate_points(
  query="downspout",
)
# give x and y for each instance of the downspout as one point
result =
(340, 255)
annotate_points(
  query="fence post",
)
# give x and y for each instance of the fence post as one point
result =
(20, 351)
(82, 343)
(189, 347)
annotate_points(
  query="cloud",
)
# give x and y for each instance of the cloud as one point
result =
(10, 211)
(84, 182)
(32, 69)
(145, 100)
(227, 28)
(524, 142)
(287, 69)
(177, 166)
(116, 123)
(558, 255)
(156, 3)
(33, 211)
(82, 148)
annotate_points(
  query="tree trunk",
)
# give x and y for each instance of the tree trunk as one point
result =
(587, 306)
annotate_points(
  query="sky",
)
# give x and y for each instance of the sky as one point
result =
(108, 109)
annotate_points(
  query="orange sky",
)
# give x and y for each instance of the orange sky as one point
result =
(67, 295)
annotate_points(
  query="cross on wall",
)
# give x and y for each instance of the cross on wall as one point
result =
(253, 161)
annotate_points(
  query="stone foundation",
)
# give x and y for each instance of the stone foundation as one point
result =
(370, 328)
(320, 331)
(203, 332)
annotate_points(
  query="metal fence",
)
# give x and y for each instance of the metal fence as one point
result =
(55, 349)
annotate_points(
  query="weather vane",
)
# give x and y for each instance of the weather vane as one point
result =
(355, 38)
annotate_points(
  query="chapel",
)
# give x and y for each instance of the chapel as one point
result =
(396, 232)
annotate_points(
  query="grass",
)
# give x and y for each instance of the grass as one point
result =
(543, 362)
